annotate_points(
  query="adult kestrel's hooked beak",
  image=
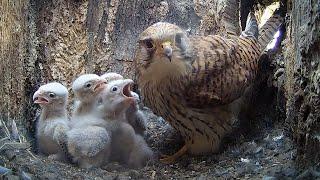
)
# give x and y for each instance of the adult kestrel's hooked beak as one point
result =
(100, 85)
(167, 49)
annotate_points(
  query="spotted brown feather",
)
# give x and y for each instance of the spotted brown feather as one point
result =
(198, 87)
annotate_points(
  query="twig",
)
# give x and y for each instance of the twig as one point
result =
(6, 130)
(22, 138)
(28, 151)
(4, 139)
(14, 131)
(14, 145)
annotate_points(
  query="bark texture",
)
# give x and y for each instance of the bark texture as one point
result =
(18, 59)
(57, 40)
(302, 78)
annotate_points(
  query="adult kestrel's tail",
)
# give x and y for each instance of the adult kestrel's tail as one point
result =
(251, 29)
(269, 29)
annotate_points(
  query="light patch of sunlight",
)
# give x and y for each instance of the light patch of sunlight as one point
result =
(267, 13)
(272, 44)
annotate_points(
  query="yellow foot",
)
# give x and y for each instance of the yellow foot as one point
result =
(171, 159)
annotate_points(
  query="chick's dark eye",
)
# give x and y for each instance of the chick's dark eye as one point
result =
(114, 89)
(88, 85)
(52, 95)
(148, 43)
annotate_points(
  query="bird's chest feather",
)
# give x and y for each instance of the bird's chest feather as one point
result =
(162, 85)
(166, 99)
(163, 98)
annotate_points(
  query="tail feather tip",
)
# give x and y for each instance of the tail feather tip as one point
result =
(251, 26)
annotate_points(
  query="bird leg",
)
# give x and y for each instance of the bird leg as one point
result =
(171, 159)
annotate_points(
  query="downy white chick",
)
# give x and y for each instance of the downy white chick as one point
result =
(86, 88)
(88, 140)
(134, 116)
(53, 122)
(127, 147)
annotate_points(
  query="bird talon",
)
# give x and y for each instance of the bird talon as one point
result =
(162, 156)
(166, 159)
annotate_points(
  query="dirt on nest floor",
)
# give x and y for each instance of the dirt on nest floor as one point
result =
(267, 155)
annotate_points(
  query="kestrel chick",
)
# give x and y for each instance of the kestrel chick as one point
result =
(134, 116)
(86, 88)
(88, 140)
(53, 122)
(116, 98)
(127, 147)
(195, 82)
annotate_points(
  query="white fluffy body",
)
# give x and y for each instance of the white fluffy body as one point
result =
(89, 145)
(127, 147)
(88, 140)
(53, 122)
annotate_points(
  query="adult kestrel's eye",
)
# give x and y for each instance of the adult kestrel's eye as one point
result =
(178, 38)
(180, 41)
(148, 43)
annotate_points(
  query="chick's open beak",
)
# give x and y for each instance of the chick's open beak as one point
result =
(100, 85)
(167, 49)
(39, 98)
(126, 91)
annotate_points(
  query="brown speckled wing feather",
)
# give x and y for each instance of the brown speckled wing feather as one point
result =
(221, 71)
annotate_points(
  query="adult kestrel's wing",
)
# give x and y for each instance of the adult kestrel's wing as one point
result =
(222, 70)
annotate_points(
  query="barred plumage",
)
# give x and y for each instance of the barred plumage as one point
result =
(268, 30)
(195, 82)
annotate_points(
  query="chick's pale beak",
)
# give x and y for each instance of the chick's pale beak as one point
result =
(100, 85)
(167, 49)
(39, 98)
(126, 90)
